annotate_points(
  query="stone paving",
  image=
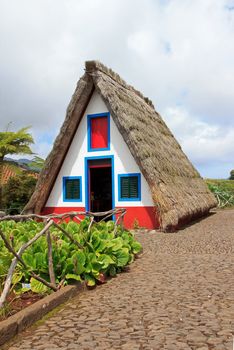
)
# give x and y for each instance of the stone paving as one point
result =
(178, 295)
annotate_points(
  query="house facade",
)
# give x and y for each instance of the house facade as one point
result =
(115, 151)
(99, 172)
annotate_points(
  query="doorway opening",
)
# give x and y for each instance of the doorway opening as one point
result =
(100, 196)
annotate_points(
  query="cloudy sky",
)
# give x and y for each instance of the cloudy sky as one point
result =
(179, 53)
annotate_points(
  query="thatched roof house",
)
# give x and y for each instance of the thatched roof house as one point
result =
(177, 191)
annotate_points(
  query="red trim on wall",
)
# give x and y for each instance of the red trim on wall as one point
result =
(99, 132)
(100, 166)
(61, 210)
(142, 216)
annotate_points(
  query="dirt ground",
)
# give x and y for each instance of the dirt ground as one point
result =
(178, 295)
(17, 303)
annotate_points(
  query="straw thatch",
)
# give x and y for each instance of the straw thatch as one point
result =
(178, 191)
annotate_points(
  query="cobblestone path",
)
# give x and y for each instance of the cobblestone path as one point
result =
(178, 295)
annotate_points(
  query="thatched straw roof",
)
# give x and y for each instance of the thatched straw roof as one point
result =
(178, 191)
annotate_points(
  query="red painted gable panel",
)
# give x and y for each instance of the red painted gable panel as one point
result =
(99, 132)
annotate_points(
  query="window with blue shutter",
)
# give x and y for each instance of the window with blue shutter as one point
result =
(72, 191)
(129, 187)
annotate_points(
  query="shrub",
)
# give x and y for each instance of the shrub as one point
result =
(231, 175)
(17, 192)
(104, 253)
(223, 191)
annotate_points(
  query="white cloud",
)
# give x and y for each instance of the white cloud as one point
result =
(176, 52)
(205, 144)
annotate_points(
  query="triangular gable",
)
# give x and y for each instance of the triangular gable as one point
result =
(74, 162)
(177, 189)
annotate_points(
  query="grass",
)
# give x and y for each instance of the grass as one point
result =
(223, 191)
(227, 185)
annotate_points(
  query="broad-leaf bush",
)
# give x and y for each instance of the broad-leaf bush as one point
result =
(104, 253)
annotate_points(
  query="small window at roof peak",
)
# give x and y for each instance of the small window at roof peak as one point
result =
(99, 132)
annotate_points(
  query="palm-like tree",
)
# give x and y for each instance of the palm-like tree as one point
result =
(13, 143)
(37, 163)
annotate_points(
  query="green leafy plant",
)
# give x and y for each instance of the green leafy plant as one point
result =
(105, 252)
(18, 142)
(17, 192)
(223, 191)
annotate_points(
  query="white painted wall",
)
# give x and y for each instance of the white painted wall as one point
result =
(73, 164)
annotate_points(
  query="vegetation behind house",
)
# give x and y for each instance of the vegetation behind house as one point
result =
(223, 191)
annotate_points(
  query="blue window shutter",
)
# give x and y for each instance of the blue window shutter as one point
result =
(129, 187)
(72, 189)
